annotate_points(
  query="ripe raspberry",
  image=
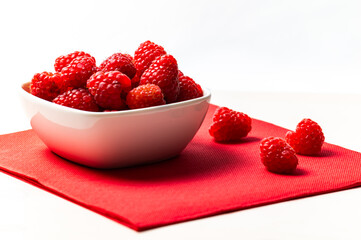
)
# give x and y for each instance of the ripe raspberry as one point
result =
(129, 56)
(146, 53)
(278, 156)
(119, 62)
(109, 89)
(44, 85)
(307, 139)
(164, 73)
(64, 61)
(77, 73)
(147, 95)
(136, 79)
(188, 89)
(199, 88)
(79, 98)
(180, 74)
(229, 125)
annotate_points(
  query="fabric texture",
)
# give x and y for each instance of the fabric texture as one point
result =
(207, 178)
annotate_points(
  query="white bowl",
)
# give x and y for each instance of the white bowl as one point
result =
(115, 139)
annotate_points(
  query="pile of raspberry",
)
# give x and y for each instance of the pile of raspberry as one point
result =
(278, 155)
(149, 78)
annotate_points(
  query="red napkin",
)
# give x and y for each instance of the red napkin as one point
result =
(208, 178)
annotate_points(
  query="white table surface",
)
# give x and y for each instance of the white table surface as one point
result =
(27, 212)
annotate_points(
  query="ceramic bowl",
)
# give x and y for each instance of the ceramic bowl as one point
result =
(115, 139)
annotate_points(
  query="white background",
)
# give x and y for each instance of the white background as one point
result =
(311, 45)
(287, 50)
(243, 46)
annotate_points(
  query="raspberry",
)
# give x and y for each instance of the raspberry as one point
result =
(77, 73)
(135, 80)
(278, 156)
(109, 89)
(146, 53)
(64, 61)
(307, 139)
(119, 62)
(77, 98)
(129, 56)
(229, 125)
(147, 95)
(164, 73)
(188, 89)
(199, 89)
(180, 74)
(44, 85)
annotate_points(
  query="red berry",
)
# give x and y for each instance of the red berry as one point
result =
(188, 89)
(307, 139)
(77, 98)
(136, 79)
(229, 125)
(119, 62)
(200, 90)
(278, 156)
(164, 73)
(146, 53)
(147, 95)
(64, 61)
(77, 73)
(109, 89)
(44, 85)
(129, 56)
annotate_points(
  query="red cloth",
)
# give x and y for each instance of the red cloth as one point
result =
(208, 178)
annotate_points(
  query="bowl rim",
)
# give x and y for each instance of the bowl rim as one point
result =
(24, 91)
